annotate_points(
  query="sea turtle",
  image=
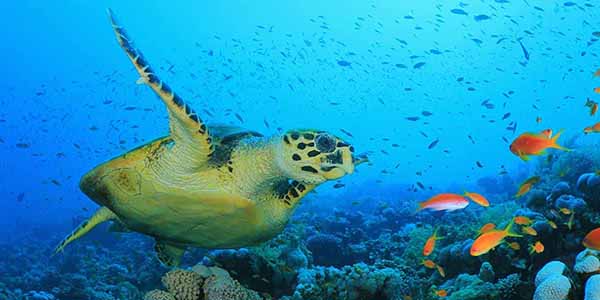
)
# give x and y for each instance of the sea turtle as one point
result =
(209, 187)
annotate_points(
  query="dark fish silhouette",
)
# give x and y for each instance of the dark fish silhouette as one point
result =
(525, 53)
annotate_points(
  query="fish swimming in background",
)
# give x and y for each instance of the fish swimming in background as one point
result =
(538, 248)
(430, 243)
(592, 240)
(529, 231)
(486, 228)
(444, 202)
(490, 240)
(477, 198)
(527, 185)
(570, 222)
(441, 293)
(522, 220)
(592, 129)
(538, 120)
(529, 143)
(525, 53)
(515, 246)
(565, 211)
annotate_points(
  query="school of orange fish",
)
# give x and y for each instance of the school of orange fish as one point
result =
(488, 236)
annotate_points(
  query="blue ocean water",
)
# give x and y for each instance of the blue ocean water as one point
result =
(433, 92)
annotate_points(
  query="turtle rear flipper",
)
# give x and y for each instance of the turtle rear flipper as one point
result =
(103, 214)
(193, 146)
(168, 254)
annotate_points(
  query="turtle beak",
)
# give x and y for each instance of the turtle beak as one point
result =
(359, 159)
(338, 164)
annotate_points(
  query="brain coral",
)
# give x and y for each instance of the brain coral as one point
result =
(184, 285)
(222, 287)
(551, 268)
(587, 264)
(592, 288)
(158, 295)
(554, 287)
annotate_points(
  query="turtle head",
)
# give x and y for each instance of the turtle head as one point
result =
(312, 156)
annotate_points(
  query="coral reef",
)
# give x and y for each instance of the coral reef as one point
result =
(201, 283)
(354, 282)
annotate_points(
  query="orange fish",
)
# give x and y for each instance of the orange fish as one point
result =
(527, 185)
(441, 293)
(597, 90)
(592, 240)
(477, 198)
(534, 144)
(529, 230)
(538, 247)
(538, 120)
(593, 109)
(489, 240)
(597, 73)
(547, 132)
(440, 270)
(445, 201)
(430, 244)
(552, 224)
(592, 129)
(515, 246)
(522, 220)
(428, 263)
(486, 228)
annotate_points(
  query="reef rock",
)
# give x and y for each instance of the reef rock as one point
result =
(589, 185)
(326, 249)
(486, 272)
(559, 189)
(572, 203)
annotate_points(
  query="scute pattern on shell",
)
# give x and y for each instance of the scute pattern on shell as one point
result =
(184, 285)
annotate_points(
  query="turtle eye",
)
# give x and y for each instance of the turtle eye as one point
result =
(325, 143)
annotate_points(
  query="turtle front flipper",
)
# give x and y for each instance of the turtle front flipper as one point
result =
(103, 214)
(295, 192)
(168, 254)
(193, 145)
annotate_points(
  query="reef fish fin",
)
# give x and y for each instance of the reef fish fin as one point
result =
(193, 143)
(168, 254)
(523, 156)
(101, 215)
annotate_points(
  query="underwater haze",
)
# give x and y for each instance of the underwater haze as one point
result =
(357, 150)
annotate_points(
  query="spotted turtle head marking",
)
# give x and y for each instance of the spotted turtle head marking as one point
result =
(313, 156)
